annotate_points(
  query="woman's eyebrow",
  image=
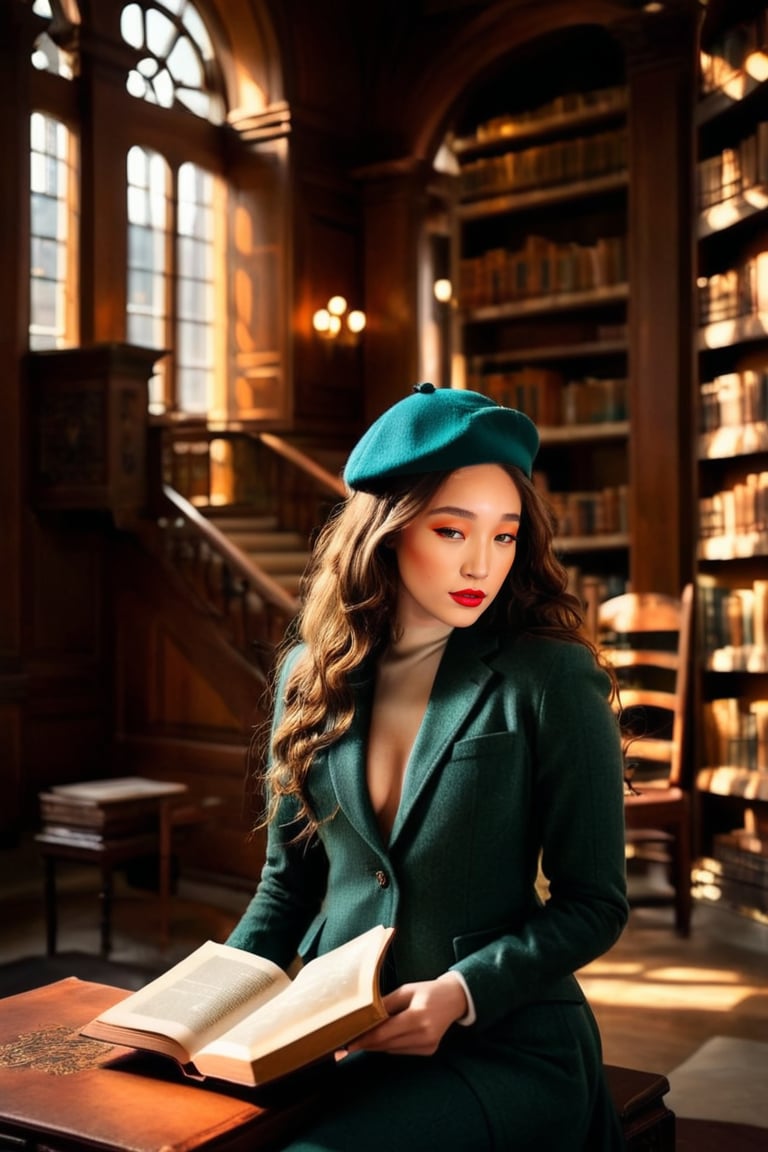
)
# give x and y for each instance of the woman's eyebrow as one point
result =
(450, 510)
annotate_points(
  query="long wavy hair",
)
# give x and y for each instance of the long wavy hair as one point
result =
(349, 597)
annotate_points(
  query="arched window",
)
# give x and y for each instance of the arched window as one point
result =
(177, 64)
(173, 246)
(158, 212)
(53, 184)
(149, 226)
(53, 234)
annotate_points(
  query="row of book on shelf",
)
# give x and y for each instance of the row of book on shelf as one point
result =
(543, 165)
(740, 47)
(735, 293)
(740, 170)
(736, 874)
(541, 267)
(736, 401)
(736, 733)
(548, 397)
(734, 521)
(604, 511)
(563, 105)
(733, 625)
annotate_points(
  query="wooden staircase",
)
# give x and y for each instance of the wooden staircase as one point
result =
(282, 553)
(205, 592)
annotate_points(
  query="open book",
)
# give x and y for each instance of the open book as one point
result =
(225, 1013)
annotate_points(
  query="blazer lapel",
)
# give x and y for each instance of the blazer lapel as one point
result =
(460, 679)
(346, 765)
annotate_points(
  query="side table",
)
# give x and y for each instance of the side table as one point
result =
(64, 844)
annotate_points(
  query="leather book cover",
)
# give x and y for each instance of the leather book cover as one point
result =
(55, 1083)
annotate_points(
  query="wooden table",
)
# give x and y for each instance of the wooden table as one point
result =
(112, 831)
(63, 1093)
(106, 854)
(60, 1092)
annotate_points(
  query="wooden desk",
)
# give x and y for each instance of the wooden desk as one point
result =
(63, 1093)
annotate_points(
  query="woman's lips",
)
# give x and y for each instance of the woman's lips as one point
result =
(468, 597)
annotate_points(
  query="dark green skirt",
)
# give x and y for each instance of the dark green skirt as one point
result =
(479, 1093)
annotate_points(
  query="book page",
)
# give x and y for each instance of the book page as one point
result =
(209, 991)
(329, 987)
(118, 788)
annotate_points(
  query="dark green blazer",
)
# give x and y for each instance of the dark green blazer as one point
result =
(517, 760)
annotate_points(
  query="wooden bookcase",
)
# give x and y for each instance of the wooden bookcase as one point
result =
(540, 266)
(732, 547)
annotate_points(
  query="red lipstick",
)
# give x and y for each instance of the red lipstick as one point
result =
(468, 597)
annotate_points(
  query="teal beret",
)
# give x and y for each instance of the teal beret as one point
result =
(439, 430)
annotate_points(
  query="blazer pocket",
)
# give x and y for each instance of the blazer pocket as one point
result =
(470, 942)
(565, 990)
(490, 746)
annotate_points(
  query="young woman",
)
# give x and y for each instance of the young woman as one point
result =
(443, 728)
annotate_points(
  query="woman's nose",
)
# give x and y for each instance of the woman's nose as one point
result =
(475, 564)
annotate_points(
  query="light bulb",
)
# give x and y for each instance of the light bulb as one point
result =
(356, 321)
(321, 321)
(443, 290)
(337, 305)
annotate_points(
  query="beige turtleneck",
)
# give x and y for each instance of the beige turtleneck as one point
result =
(404, 679)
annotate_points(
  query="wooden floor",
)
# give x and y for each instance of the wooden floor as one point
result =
(657, 997)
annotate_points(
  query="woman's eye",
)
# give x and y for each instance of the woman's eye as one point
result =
(507, 538)
(449, 533)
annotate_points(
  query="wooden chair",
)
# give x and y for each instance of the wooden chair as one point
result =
(647, 638)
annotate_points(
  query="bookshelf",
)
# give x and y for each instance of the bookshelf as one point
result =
(732, 456)
(539, 261)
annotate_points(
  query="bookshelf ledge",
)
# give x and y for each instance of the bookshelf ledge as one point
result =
(734, 89)
(596, 543)
(739, 330)
(741, 547)
(734, 440)
(502, 202)
(747, 783)
(565, 433)
(557, 302)
(718, 217)
(487, 138)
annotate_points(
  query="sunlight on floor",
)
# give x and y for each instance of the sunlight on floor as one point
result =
(632, 986)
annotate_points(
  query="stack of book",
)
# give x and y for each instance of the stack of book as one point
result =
(739, 871)
(97, 810)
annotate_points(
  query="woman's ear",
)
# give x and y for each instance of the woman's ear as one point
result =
(389, 541)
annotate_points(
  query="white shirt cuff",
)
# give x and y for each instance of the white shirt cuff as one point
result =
(470, 1015)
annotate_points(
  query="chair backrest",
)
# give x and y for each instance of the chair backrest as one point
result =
(647, 638)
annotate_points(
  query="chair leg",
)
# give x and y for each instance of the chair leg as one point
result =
(682, 878)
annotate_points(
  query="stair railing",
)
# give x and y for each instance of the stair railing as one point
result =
(277, 478)
(325, 479)
(253, 609)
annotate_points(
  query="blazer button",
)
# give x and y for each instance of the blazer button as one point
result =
(382, 879)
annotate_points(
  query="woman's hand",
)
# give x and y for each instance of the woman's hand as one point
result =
(420, 1015)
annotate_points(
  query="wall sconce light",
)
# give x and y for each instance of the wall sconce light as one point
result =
(443, 290)
(337, 322)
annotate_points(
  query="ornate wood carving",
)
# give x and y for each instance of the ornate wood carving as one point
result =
(89, 419)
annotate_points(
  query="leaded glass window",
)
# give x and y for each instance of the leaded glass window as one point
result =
(177, 64)
(53, 234)
(149, 223)
(48, 56)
